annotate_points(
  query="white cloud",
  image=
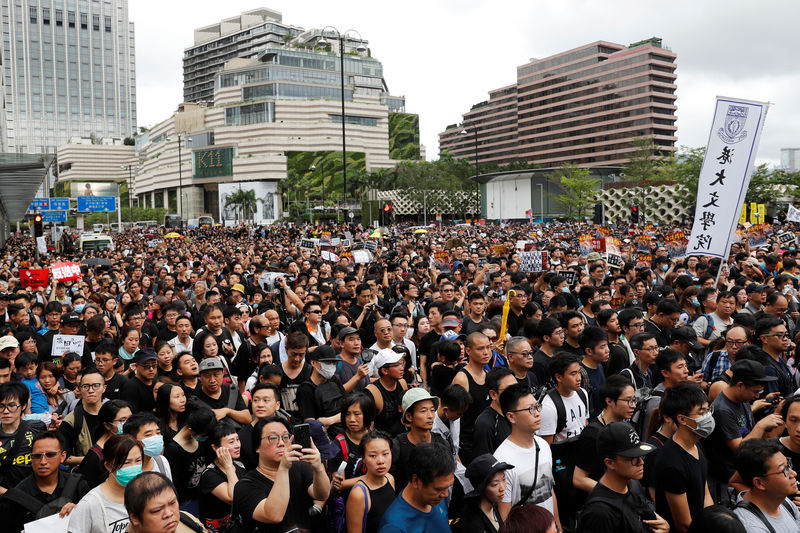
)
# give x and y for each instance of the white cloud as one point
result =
(445, 56)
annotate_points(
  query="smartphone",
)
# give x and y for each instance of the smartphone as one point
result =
(302, 435)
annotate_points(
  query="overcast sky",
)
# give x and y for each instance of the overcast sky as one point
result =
(444, 56)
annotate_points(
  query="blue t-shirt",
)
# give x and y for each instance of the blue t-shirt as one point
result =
(401, 517)
(38, 399)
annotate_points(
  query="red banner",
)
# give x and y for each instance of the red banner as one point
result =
(34, 278)
(67, 271)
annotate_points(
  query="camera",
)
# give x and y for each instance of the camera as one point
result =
(368, 355)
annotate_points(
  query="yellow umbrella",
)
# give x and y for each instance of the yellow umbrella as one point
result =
(420, 231)
(376, 234)
(172, 235)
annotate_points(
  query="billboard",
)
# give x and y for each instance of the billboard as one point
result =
(266, 196)
(212, 162)
(93, 188)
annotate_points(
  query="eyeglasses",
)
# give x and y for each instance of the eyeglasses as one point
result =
(648, 349)
(779, 335)
(92, 386)
(786, 470)
(635, 461)
(147, 366)
(10, 407)
(523, 354)
(273, 439)
(630, 401)
(735, 343)
(49, 455)
(316, 311)
(535, 408)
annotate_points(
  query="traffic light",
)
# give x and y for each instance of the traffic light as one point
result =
(386, 212)
(597, 218)
(387, 208)
(634, 214)
(37, 225)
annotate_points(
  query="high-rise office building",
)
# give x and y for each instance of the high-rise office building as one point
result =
(68, 70)
(584, 106)
(790, 159)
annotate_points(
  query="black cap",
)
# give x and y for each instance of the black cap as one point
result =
(619, 438)
(481, 471)
(323, 353)
(348, 331)
(687, 335)
(748, 371)
(72, 316)
(144, 355)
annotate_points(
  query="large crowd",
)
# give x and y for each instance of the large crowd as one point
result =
(336, 378)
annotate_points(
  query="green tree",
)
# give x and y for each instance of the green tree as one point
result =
(580, 189)
(643, 168)
(683, 167)
(245, 200)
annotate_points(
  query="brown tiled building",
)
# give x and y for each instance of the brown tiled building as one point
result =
(583, 106)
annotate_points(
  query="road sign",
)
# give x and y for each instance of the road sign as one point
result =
(54, 216)
(49, 204)
(96, 203)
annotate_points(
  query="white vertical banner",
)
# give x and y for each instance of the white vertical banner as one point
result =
(725, 175)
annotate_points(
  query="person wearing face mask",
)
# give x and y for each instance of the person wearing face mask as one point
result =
(681, 472)
(111, 418)
(146, 429)
(103, 508)
(321, 396)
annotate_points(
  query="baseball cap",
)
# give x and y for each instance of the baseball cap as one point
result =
(451, 322)
(748, 371)
(755, 287)
(347, 331)
(687, 335)
(211, 363)
(481, 471)
(452, 336)
(384, 357)
(8, 341)
(145, 355)
(619, 438)
(414, 396)
(323, 353)
(72, 316)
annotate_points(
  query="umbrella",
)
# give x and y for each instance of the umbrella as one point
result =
(96, 261)
(420, 231)
(172, 235)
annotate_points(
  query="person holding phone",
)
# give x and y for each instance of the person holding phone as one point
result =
(261, 499)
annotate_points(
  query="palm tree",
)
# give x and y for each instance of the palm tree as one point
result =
(245, 201)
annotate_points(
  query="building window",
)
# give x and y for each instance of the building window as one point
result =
(108, 24)
(84, 21)
(351, 119)
(250, 114)
(71, 18)
(46, 15)
(96, 22)
(34, 13)
(59, 17)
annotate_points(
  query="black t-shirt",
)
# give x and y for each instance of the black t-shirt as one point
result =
(658, 440)
(441, 376)
(322, 400)
(91, 467)
(587, 457)
(541, 367)
(491, 428)
(255, 486)
(222, 401)
(248, 456)
(603, 518)
(114, 387)
(470, 326)
(618, 359)
(187, 467)
(401, 456)
(426, 343)
(21, 460)
(15, 515)
(289, 388)
(210, 506)
(139, 395)
(677, 472)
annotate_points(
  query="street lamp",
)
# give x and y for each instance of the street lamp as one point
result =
(360, 49)
(477, 172)
(322, 172)
(130, 190)
(180, 173)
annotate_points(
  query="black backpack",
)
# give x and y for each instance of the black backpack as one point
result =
(640, 411)
(35, 506)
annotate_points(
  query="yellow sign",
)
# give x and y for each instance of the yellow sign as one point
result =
(743, 217)
(762, 213)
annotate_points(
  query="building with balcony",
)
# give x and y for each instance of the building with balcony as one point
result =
(584, 106)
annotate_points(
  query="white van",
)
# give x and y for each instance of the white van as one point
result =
(95, 241)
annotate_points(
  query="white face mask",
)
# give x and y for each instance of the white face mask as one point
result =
(327, 370)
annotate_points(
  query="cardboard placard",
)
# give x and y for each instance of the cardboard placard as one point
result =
(67, 343)
(66, 271)
(570, 275)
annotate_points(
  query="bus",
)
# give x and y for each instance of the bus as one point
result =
(173, 221)
(144, 224)
(206, 221)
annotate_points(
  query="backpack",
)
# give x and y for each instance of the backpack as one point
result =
(753, 509)
(639, 415)
(630, 516)
(561, 411)
(35, 506)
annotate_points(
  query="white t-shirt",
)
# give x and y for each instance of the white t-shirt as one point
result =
(576, 412)
(92, 516)
(520, 478)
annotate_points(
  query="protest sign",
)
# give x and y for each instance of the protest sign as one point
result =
(569, 275)
(34, 278)
(613, 245)
(676, 244)
(307, 244)
(67, 343)
(725, 174)
(362, 256)
(615, 260)
(328, 255)
(498, 249)
(585, 244)
(66, 271)
(535, 261)
(786, 237)
(644, 260)
(792, 214)
(756, 235)
(644, 243)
